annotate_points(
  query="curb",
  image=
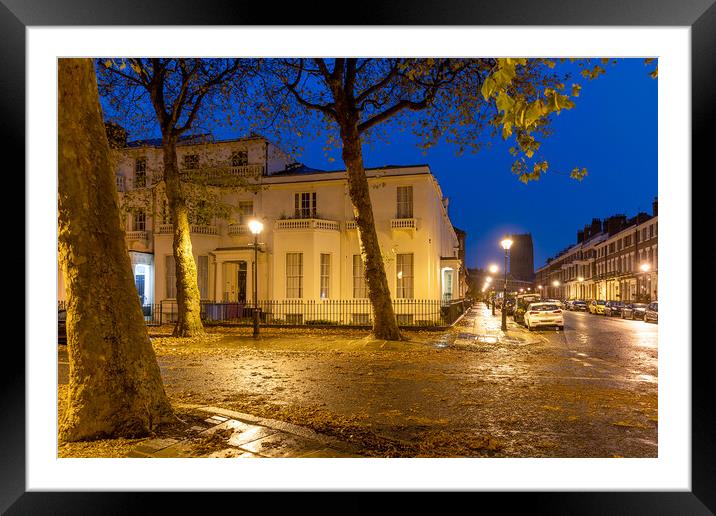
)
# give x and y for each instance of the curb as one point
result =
(310, 443)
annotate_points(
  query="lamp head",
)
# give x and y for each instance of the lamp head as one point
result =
(255, 227)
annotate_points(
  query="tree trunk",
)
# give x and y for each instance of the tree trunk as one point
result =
(187, 289)
(385, 325)
(115, 387)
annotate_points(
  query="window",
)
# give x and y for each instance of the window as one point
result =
(627, 241)
(360, 290)
(294, 275)
(239, 159)
(405, 202)
(651, 231)
(246, 211)
(325, 276)
(171, 278)
(404, 269)
(643, 234)
(140, 172)
(305, 205)
(139, 221)
(202, 266)
(191, 161)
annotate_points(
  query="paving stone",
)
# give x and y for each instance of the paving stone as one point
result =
(282, 444)
(329, 453)
(251, 433)
(154, 445)
(137, 455)
(233, 453)
(182, 449)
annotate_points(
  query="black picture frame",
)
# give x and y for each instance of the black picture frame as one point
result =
(699, 15)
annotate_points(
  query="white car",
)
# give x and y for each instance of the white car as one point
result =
(544, 314)
(557, 302)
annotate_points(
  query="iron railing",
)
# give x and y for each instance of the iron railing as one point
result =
(297, 312)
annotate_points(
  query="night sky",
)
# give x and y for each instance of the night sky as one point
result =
(612, 132)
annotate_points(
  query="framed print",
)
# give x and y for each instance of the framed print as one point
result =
(659, 454)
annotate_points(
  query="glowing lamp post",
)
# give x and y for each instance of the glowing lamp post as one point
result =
(645, 268)
(256, 227)
(506, 244)
(555, 284)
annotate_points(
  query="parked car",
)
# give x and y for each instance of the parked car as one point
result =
(61, 329)
(568, 304)
(544, 314)
(557, 302)
(634, 311)
(652, 312)
(523, 301)
(596, 307)
(613, 309)
(579, 306)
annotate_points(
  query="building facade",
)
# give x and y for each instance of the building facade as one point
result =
(309, 247)
(613, 260)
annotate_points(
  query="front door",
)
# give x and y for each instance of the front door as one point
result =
(241, 282)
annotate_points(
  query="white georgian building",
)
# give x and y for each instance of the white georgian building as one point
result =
(309, 246)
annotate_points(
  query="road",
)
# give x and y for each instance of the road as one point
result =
(618, 349)
(587, 391)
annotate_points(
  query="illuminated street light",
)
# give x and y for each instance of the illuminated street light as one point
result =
(493, 268)
(256, 227)
(506, 244)
(644, 267)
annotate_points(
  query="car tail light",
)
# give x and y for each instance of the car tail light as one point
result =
(534, 313)
(557, 312)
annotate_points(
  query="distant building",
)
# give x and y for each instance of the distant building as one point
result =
(614, 260)
(478, 281)
(522, 258)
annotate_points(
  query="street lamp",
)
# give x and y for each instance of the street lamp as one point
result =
(506, 244)
(580, 293)
(256, 227)
(555, 284)
(645, 268)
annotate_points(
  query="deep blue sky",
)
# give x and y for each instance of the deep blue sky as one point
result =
(612, 132)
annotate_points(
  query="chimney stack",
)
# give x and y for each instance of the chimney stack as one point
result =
(580, 236)
(655, 206)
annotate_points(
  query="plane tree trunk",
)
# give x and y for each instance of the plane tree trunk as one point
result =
(115, 386)
(385, 325)
(187, 286)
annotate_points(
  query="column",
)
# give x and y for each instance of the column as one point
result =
(218, 280)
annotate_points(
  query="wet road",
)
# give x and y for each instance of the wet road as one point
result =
(617, 348)
(587, 391)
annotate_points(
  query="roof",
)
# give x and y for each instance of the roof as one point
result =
(300, 168)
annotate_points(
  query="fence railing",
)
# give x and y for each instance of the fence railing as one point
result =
(291, 312)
